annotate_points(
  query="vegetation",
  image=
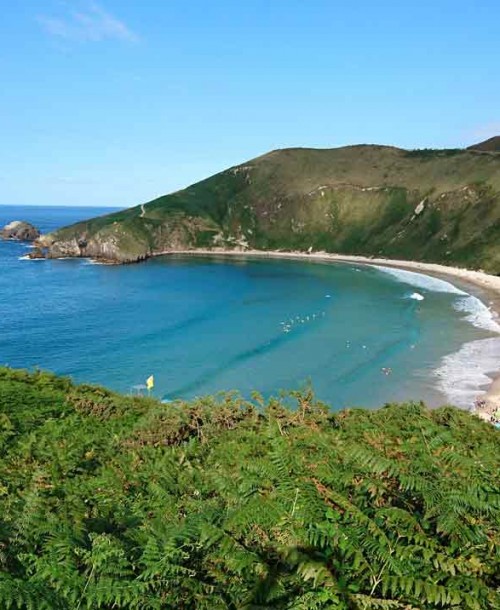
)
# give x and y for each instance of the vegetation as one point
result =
(431, 153)
(490, 145)
(356, 200)
(120, 502)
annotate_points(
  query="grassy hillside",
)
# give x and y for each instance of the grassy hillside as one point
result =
(490, 145)
(431, 205)
(116, 502)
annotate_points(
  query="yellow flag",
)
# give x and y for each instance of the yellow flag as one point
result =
(150, 382)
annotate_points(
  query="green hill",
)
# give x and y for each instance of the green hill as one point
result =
(431, 205)
(116, 502)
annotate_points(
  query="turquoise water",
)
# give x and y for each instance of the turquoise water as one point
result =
(201, 325)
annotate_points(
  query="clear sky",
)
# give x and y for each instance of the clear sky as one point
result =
(113, 102)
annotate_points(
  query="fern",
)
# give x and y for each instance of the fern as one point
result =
(113, 502)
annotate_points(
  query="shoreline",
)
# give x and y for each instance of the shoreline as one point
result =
(486, 287)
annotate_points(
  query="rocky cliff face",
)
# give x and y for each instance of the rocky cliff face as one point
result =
(440, 206)
(20, 230)
(122, 242)
(101, 247)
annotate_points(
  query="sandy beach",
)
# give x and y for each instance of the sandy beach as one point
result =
(483, 285)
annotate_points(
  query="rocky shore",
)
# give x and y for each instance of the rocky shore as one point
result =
(20, 230)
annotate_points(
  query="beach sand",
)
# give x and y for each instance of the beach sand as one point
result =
(483, 285)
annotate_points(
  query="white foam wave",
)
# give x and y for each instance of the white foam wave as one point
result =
(478, 314)
(26, 257)
(420, 280)
(463, 375)
(416, 296)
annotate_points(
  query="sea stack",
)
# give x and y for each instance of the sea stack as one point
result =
(20, 230)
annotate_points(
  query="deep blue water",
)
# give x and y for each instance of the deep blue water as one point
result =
(204, 325)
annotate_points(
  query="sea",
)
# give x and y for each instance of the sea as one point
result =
(360, 336)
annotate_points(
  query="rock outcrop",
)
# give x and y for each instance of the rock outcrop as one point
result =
(37, 253)
(20, 230)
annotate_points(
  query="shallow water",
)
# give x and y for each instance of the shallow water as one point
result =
(201, 325)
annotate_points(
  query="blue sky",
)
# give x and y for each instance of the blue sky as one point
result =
(115, 102)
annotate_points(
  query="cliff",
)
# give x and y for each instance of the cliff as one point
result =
(431, 205)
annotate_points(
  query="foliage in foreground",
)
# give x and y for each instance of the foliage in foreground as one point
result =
(109, 502)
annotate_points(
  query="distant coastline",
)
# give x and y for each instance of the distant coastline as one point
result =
(483, 285)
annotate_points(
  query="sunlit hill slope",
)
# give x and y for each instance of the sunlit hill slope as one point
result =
(430, 205)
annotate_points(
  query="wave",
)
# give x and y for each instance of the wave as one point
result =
(477, 313)
(463, 375)
(27, 257)
(416, 296)
(420, 280)
(88, 261)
